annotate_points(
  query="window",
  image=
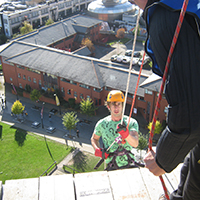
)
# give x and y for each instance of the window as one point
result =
(107, 88)
(24, 77)
(29, 78)
(88, 97)
(34, 80)
(19, 66)
(84, 86)
(11, 79)
(148, 92)
(19, 75)
(75, 94)
(63, 91)
(20, 85)
(141, 98)
(69, 91)
(32, 70)
(166, 109)
(81, 96)
(97, 89)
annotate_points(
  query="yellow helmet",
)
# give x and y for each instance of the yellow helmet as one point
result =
(115, 95)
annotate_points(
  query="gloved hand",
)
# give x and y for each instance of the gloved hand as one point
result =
(122, 130)
(99, 153)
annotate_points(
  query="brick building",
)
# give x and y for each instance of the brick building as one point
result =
(32, 60)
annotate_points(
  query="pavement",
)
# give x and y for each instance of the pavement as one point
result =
(82, 143)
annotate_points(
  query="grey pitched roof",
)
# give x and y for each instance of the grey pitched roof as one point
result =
(59, 30)
(116, 78)
(16, 48)
(85, 70)
(153, 83)
(84, 51)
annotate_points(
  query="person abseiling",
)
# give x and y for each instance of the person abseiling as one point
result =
(180, 140)
(106, 128)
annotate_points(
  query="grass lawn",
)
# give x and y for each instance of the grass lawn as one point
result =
(25, 155)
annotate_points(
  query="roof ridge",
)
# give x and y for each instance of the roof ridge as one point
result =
(95, 73)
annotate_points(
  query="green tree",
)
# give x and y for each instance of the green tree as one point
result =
(87, 107)
(158, 127)
(70, 120)
(26, 28)
(17, 108)
(88, 43)
(143, 143)
(138, 30)
(35, 95)
(49, 21)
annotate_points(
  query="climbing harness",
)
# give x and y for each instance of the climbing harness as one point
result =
(118, 141)
(112, 165)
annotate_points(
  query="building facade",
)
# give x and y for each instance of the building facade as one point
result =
(11, 20)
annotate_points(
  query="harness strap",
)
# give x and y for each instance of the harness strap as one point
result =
(112, 165)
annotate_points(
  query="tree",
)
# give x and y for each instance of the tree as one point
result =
(26, 28)
(138, 30)
(69, 121)
(49, 21)
(87, 107)
(17, 108)
(143, 143)
(35, 95)
(158, 129)
(88, 43)
(120, 33)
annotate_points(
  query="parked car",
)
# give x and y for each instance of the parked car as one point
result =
(113, 58)
(126, 59)
(135, 61)
(119, 58)
(53, 111)
(135, 54)
(146, 58)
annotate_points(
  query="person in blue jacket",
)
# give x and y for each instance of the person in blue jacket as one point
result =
(180, 141)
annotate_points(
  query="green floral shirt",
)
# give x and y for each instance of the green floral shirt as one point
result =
(106, 128)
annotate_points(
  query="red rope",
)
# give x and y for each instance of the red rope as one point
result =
(137, 85)
(177, 31)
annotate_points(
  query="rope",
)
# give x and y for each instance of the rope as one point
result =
(130, 67)
(176, 34)
(137, 85)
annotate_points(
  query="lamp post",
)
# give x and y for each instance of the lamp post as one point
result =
(14, 90)
(58, 102)
(42, 114)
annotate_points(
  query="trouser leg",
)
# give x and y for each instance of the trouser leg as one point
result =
(189, 186)
(177, 194)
